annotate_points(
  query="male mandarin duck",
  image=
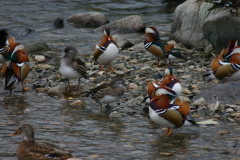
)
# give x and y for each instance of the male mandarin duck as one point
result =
(18, 68)
(5, 46)
(226, 3)
(168, 81)
(29, 149)
(232, 52)
(171, 82)
(72, 68)
(226, 66)
(106, 92)
(166, 114)
(3, 49)
(154, 45)
(106, 51)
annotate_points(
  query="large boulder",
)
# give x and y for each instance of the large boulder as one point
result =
(225, 93)
(130, 24)
(187, 23)
(220, 28)
(90, 19)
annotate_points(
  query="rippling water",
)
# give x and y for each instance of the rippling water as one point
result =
(81, 129)
(38, 16)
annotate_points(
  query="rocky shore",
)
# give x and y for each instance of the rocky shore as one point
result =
(207, 97)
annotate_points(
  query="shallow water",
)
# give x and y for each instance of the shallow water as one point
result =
(81, 129)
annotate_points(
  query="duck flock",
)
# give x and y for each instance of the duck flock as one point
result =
(165, 107)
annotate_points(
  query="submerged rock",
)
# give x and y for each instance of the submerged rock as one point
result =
(58, 22)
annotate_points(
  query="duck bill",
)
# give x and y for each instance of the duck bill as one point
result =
(109, 38)
(16, 133)
(154, 98)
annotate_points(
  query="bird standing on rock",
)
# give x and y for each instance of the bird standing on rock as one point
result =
(106, 51)
(29, 149)
(154, 45)
(106, 92)
(72, 68)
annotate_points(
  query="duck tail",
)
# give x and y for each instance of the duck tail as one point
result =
(190, 120)
(86, 94)
(9, 79)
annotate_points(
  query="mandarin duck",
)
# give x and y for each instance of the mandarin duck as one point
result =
(226, 3)
(165, 113)
(226, 66)
(106, 92)
(72, 68)
(106, 51)
(168, 81)
(5, 46)
(29, 149)
(154, 45)
(18, 68)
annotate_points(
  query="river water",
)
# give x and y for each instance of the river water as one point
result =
(81, 129)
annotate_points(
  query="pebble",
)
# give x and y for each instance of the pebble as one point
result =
(115, 114)
(200, 102)
(77, 103)
(39, 58)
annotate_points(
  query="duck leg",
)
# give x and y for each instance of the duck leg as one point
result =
(68, 86)
(169, 132)
(110, 67)
(101, 111)
(101, 66)
(4, 68)
(24, 89)
(78, 84)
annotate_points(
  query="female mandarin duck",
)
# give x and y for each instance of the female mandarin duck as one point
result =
(168, 81)
(226, 66)
(29, 149)
(19, 67)
(163, 112)
(72, 68)
(106, 92)
(154, 45)
(106, 51)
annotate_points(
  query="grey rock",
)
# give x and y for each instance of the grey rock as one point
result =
(90, 19)
(130, 24)
(200, 102)
(50, 54)
(188, 29)
(225, 93)
(220, 28)
(38, 47)
(25, 31)
(121, 42)
(58, 22)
